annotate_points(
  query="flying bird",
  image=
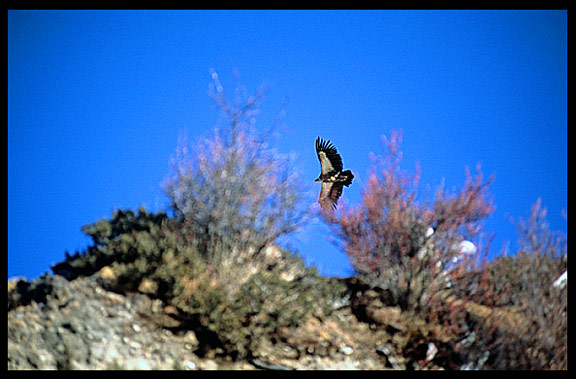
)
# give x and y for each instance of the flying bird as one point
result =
(332, 177)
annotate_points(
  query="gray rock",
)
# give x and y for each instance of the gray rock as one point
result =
(78, 325)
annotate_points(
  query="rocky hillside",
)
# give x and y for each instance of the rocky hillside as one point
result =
(140, 299)
(54, 323)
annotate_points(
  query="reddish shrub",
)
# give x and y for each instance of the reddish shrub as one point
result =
(506, 313)
(387, 236)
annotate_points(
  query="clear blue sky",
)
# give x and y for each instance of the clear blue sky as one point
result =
(97, 99)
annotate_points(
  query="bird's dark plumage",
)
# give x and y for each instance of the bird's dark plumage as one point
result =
(331, 175)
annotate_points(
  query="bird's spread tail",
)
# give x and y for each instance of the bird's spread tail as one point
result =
(348, 176)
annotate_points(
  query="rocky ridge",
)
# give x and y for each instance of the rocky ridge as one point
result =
(54, 323)
(142, 297)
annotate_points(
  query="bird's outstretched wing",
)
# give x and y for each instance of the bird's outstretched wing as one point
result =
(329, 195)
(330, 160)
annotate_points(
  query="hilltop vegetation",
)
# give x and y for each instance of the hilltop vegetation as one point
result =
(209, 283)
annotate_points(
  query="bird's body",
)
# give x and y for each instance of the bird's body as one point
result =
(331, 175)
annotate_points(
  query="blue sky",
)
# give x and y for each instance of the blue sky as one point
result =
(97, 99)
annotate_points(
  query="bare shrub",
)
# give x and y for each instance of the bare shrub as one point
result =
(387, 237)
(234, 195)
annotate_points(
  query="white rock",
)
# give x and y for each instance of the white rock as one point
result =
(467, 247)
(190, 365)
(562, 280)
(346, 350)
